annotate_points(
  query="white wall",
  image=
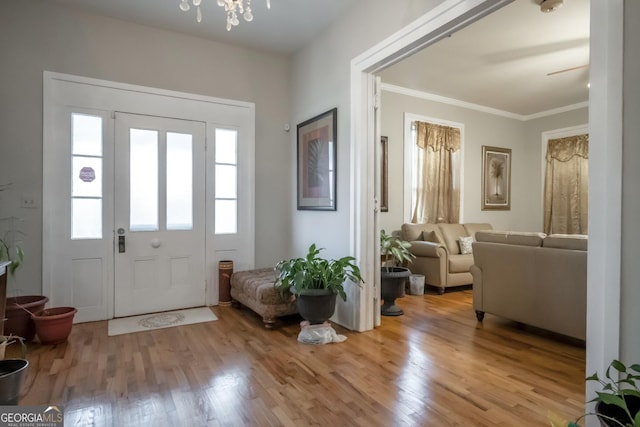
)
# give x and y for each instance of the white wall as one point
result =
(37, 36)
(320, 82)
(480, 128)
(630, 292)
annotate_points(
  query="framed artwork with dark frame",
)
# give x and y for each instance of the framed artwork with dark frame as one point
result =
(384, 174)
(317, 162)
(496, 178)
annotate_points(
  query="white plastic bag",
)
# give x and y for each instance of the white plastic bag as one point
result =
(318, 334)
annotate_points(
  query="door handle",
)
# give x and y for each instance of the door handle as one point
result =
(121, 245)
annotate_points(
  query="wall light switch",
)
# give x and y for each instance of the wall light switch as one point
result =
(28, 202)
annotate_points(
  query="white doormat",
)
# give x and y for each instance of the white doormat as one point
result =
(167, 319)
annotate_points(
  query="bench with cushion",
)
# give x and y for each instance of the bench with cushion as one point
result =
(254, 289)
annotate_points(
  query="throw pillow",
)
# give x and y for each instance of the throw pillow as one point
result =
(465, 245)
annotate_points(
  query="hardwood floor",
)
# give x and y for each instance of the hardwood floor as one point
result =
(434, 366)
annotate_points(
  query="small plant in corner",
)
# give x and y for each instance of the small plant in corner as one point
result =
(11, 252)
(315, 272)
(394, 250)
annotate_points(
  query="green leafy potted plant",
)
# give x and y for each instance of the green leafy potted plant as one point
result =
(18, 309)
(618, 401)
(316, 282)
(393, 275)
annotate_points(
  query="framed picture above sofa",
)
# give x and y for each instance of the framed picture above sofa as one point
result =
(496, 178)
(317, 162)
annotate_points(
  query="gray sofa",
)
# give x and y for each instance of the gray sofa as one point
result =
(532, 278)
(437, 251)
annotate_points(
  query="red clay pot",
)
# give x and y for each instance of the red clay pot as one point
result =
(18, 313)
(53, 325)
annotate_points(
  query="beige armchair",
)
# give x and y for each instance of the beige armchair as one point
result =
(438, 254)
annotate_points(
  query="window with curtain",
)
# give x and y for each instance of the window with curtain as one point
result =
(436, 174)
(566, 185)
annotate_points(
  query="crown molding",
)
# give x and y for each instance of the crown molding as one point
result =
(482, 108)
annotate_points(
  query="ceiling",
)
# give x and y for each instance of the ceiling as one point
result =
(500, 62)
(285, 28)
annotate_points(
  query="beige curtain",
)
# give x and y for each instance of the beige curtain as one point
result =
(437, 194)
(566, 185)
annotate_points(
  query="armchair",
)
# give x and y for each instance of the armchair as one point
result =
(438, 254)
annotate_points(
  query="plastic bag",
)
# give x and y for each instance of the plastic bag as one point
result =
(318, 334)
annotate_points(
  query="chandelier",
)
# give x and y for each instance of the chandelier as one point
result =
(232, 7)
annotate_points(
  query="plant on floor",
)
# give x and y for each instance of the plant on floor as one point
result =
(314, 272)
(618, 402)
(394, 250)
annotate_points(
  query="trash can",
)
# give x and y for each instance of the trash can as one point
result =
(225, 270)
(416, 284)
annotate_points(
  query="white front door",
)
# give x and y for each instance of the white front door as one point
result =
(159, 203)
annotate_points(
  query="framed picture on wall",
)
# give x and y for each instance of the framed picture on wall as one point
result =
(317, 162)
(384, 174)
(496, 178)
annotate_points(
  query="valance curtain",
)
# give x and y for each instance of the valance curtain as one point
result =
(437, 194)
(566, 185)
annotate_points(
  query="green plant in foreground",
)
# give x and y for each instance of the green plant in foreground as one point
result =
(11, 253)
(613, 392)
(394, 250)
(314, 272)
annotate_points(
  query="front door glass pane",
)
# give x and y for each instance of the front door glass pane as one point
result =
(87, 134)
(179, 181)
(87, 218)
(143, 177)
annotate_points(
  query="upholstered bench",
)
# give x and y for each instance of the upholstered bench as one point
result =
(254, 289)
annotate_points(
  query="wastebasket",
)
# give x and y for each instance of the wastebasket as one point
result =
(416, 284)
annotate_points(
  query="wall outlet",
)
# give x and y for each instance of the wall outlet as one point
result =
(28, 202)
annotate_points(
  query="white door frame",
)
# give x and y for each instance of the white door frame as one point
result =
(110, 96)
(436, 24)
(605, 134)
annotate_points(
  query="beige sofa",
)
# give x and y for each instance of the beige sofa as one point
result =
(437, 251)
(532, 278)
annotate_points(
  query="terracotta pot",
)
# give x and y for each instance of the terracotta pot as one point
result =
(53, 325)
(18, 315)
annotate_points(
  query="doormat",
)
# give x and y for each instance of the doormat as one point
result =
(167, 319)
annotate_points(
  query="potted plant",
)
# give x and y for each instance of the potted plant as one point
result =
(618, 402)
(393, 276)
(18, 309)
(316, 282)
(53, 325)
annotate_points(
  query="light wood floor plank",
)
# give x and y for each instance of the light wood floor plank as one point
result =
(434, 366)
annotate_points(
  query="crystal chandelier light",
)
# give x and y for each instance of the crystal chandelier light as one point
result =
(232, 7)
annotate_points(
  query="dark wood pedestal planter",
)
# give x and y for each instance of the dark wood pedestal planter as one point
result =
(53, 325)
(316, 305)
(392, 281)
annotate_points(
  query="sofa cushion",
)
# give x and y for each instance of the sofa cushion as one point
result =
(413, 232)
(460, 263)
(431, 236)
(566, 241)
(522, 238)
(451, 233)
(473, 227)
